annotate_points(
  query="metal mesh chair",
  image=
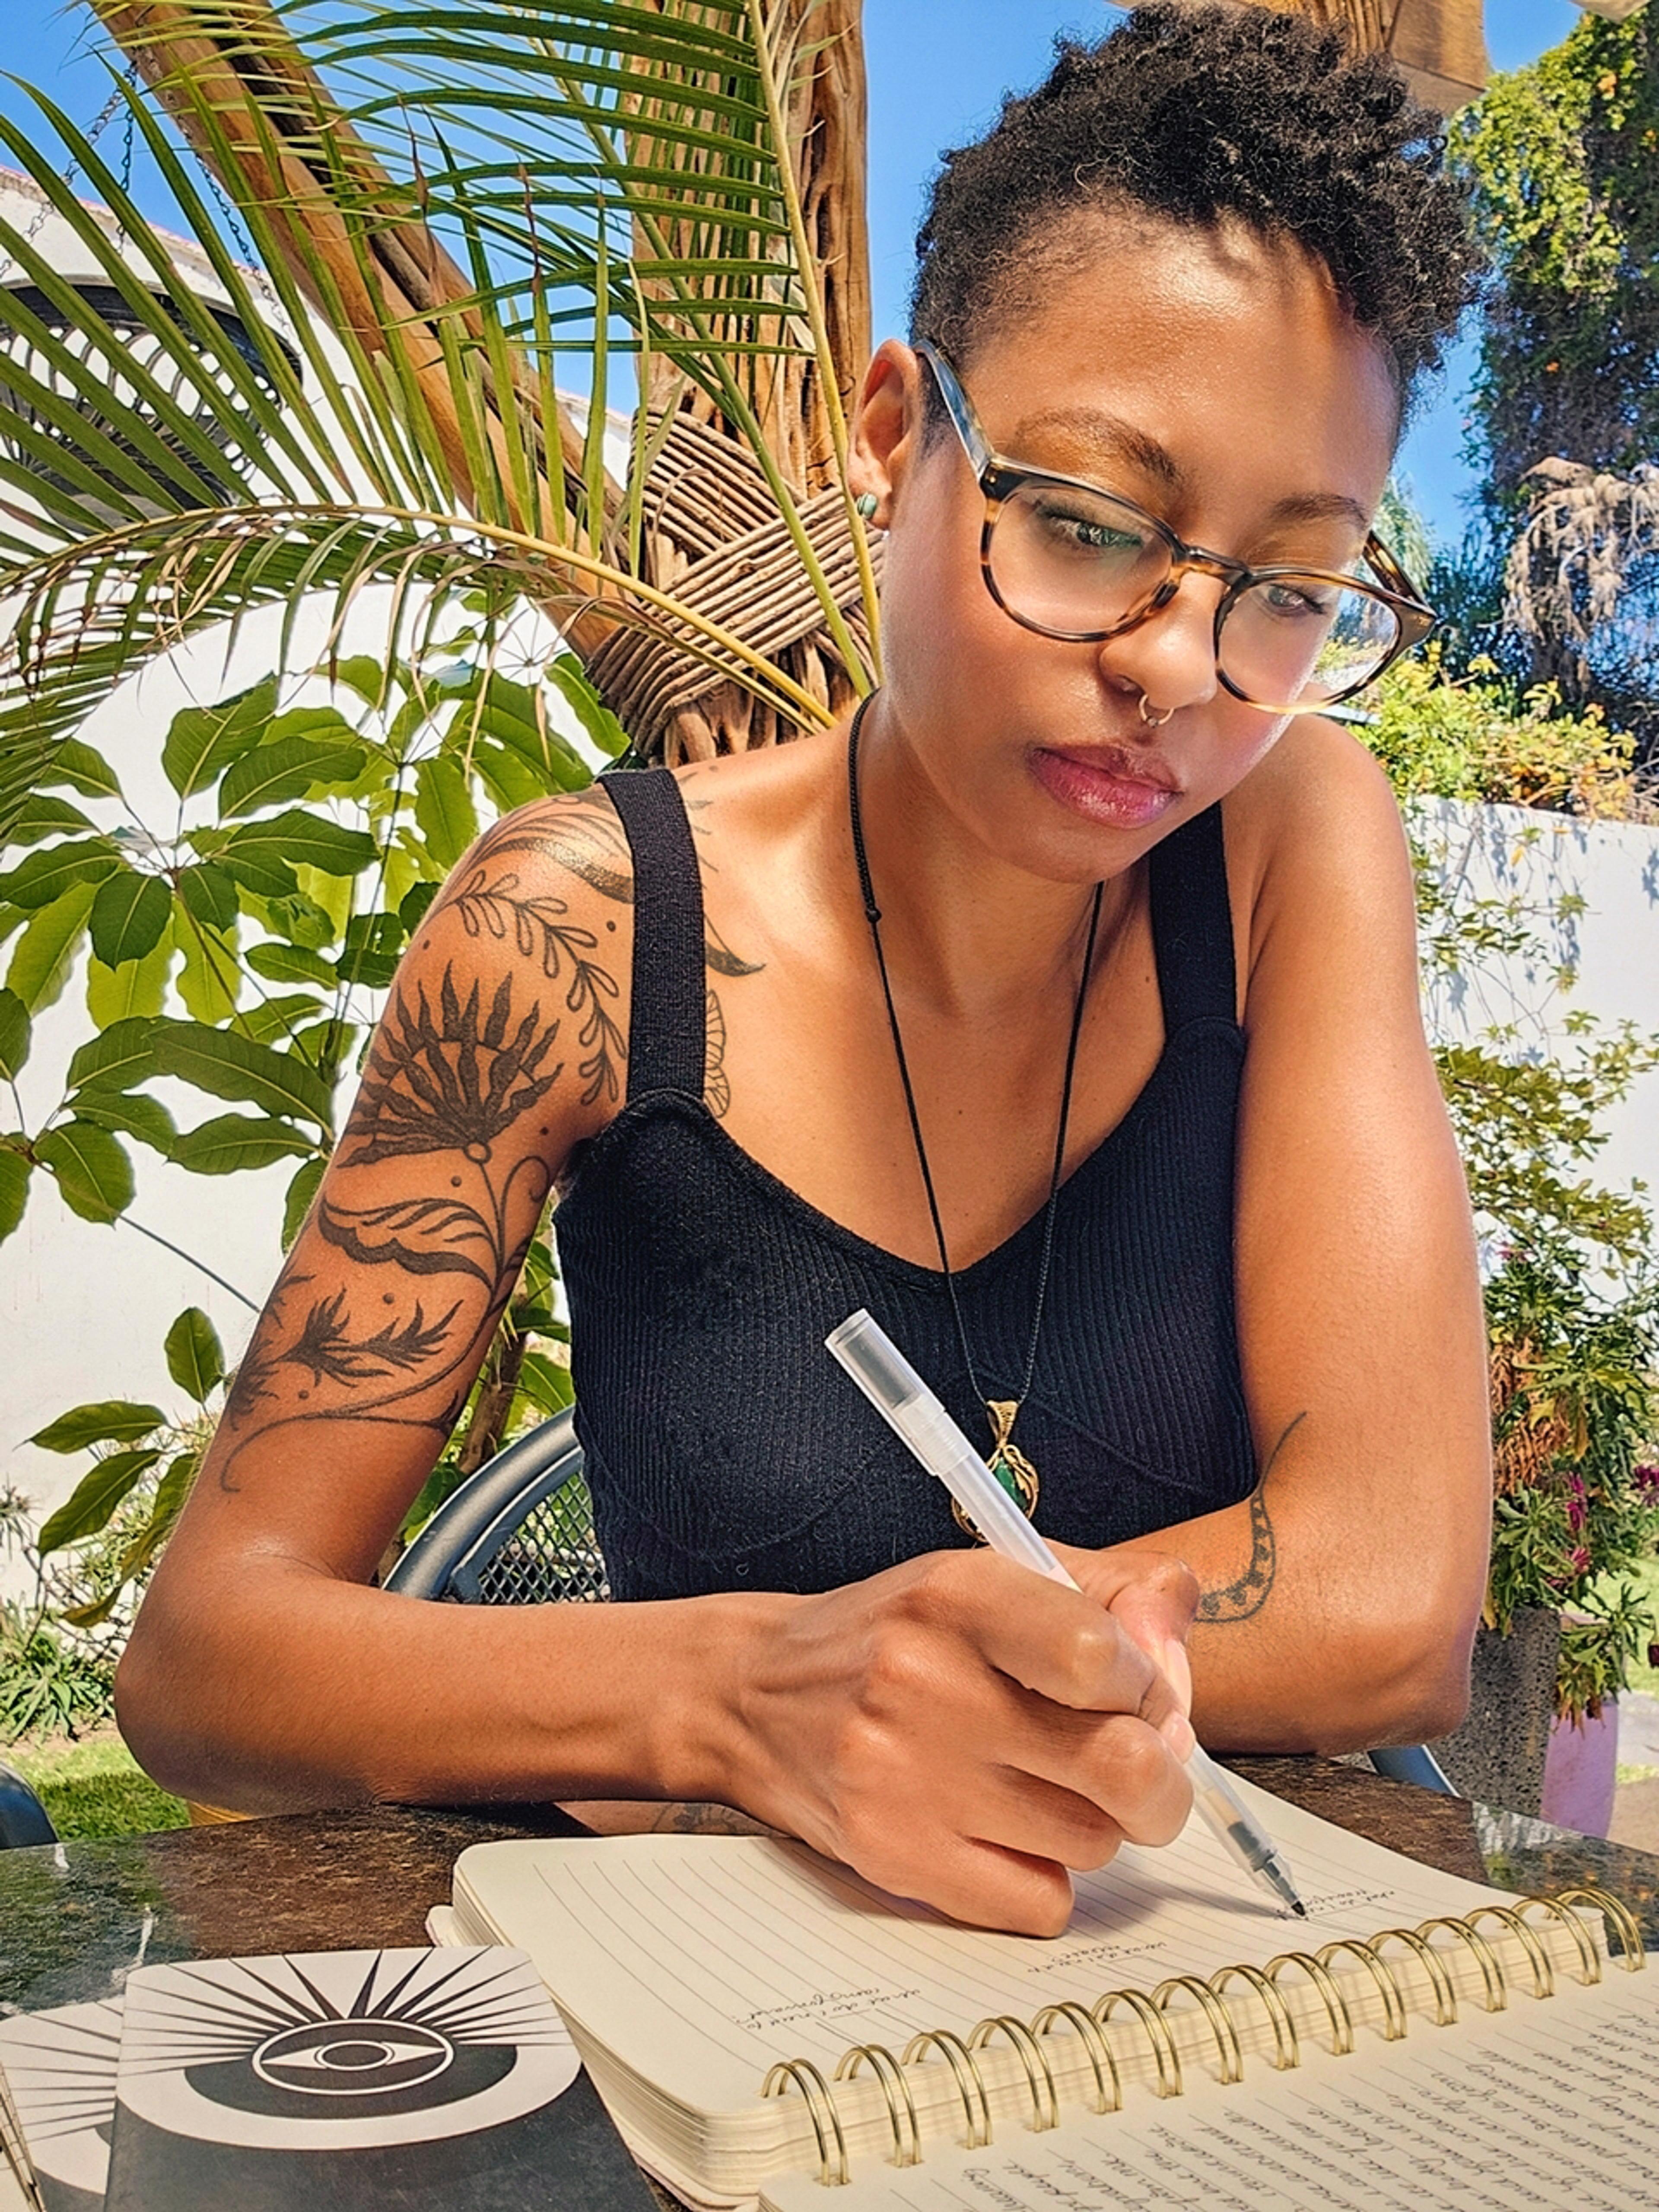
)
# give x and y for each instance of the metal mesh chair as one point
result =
(518, 1532)
(24, 1820)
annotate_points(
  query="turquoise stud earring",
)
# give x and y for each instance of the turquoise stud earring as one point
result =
(865, 505)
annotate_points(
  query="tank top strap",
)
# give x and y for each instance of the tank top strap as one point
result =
(1192, 924)
(667, 1040)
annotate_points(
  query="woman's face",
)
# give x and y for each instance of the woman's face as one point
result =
(1212, 379)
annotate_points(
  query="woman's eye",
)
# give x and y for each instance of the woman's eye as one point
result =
(1300, 601)
(1088, 534)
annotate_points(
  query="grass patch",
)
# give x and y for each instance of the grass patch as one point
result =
(95, 1787)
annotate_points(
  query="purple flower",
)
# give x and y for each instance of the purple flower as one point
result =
(1578, 1508)
(1646, 1479)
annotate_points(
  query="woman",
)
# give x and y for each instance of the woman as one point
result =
(1063, 1012)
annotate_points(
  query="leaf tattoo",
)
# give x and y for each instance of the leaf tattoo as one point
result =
(448, 1082)
(326, 1346)
(539, 928)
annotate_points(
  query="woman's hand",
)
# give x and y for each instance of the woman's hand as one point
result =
(961, 1731)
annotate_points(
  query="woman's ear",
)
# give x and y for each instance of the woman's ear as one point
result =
(887, 429)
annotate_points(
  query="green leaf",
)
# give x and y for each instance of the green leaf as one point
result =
(297, 839)
(108, 1421)
(279, 1022)
(128, 916)
(209, 896)
(443, 808)
(290, 964)
(43, 817)
(300, 1191)
(132, 1111)
(44, 953)
(302, 921)
(568, 673)
(195, 1358)
(136, 988)
(291, 768)
(411, 907)
(171, 1492)
(211, 979)
(84, 768)
(372, 681)
(94, 1173)
(202, 742)
(16, 1031)
(373, 945)
(231, 1142)
(233, 1066)
(14, 1172)
(94, 1499)
(117, 1059)
(45, 876)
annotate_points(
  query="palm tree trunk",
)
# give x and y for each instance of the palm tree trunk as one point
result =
(1440, 44)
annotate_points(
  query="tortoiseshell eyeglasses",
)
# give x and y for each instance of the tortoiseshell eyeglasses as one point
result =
(1073, 561)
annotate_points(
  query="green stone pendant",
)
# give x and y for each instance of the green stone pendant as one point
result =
(1008, 1463)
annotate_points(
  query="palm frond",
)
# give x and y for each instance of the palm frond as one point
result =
(86, 616)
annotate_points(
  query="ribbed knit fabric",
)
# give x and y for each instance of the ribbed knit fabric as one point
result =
(726, 1450)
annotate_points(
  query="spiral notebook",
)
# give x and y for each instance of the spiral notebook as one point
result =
(763, 2024)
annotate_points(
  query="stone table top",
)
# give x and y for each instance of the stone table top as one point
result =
(74, 1918)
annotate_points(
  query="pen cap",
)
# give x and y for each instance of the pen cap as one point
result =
(887, 1377)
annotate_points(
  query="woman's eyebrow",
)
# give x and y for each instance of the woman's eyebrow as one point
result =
(1109, 436)
(1111, 439)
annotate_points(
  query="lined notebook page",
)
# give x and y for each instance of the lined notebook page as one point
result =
(699, 1961)
(1548, 2105)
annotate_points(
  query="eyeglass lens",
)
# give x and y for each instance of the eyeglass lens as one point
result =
(1075, 563)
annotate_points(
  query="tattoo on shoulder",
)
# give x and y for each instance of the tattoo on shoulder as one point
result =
(445, 1081)
(1243, 1598)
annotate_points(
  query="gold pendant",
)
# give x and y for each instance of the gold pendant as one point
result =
(1008, 1463)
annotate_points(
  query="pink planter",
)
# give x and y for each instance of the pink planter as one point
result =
(1580, 1772)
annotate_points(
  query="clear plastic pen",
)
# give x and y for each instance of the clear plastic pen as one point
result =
(904, 1400)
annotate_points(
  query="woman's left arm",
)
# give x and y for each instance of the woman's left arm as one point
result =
(1339, 1600)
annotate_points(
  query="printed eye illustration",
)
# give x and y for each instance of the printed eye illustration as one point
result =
(352, 2058)
(344, 2051)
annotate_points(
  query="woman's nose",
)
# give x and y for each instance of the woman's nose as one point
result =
(1170, 658)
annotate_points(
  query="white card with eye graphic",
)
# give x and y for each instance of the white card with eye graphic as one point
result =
(60, 2068)
(401, 2079)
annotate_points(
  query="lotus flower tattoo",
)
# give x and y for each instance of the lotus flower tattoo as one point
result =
(452, 1080)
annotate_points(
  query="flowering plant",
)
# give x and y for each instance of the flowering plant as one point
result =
(1577, 1480)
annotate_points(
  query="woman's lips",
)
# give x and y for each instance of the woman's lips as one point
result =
(1107, 786)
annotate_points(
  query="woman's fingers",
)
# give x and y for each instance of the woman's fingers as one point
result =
(1153, 1596)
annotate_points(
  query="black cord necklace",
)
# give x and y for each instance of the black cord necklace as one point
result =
(1008, 1463)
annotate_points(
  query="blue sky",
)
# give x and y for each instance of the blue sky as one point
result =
(938, 69)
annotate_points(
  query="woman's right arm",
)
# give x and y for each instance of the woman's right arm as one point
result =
(955, 1727)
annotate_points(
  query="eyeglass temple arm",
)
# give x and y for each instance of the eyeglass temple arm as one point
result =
(958, 406)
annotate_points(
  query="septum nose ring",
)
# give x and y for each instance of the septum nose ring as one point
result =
(1153, 720)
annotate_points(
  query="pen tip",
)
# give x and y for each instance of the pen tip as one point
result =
(1299, 1909)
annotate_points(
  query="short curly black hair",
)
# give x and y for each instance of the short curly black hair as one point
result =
(1200, 111)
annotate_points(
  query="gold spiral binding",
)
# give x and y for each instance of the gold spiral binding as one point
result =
(900, 2104)
(1588, 1957)
(1157, 2033)
(1336, 2003)
(1039, 2074)
(1089, 2024)
(1492, 1973)
(1445, 1996)
(969, 2085)
(1633, 1953)
(1287, 2046)
(826, 2119)
(1087, 2030)
(1543, 1974)
(1393, 1997)
(1220, 2019)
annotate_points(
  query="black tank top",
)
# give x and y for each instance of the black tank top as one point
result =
(727, 1450)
